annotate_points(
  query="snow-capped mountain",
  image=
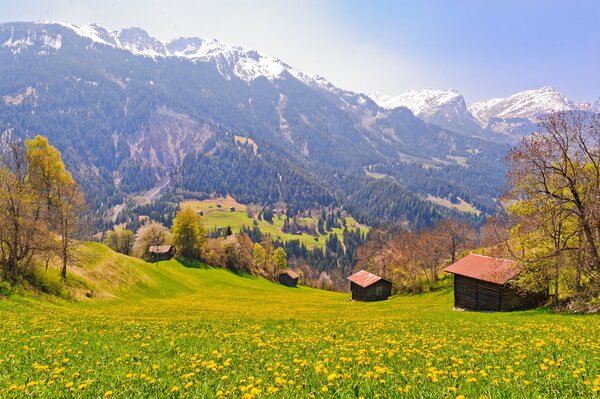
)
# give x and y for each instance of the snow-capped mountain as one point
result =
(518, 115)
(512, 117)
(445, 108)
(529, 104)
(246, 64)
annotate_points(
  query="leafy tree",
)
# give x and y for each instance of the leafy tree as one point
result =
(63, 199)
(188, 233)
(259, 256)
(554, 180)
(23, 230)
(279, 260)
(121, 241)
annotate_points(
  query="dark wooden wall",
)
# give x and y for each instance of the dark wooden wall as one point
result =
(475, 294)
(372, 292)
(288, 281)
(165, 256)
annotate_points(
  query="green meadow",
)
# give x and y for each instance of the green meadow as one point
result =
(167, 330)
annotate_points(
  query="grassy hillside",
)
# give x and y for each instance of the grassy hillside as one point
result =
(215, 216)
(170, 331)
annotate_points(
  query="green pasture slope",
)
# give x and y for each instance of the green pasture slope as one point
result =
(222, 217)
(170, 331)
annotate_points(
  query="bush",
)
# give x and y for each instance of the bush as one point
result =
(48, 282)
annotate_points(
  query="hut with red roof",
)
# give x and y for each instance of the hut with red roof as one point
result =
(483, 283)
(367, 287)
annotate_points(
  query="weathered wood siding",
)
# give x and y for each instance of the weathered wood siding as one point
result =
(165, 256)
(378, 291)
(287, 280)
(473, 294)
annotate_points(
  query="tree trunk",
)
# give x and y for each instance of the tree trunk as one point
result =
(556, 274)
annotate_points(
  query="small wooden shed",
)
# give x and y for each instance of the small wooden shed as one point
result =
(288, 278)
(483, 283)
(368, 287)
(161, 252)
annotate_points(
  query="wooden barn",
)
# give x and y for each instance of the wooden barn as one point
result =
(368, 287)
(483, 283)
(161, 252)
(288, 278)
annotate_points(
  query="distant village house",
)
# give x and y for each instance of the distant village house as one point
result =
(368, 287)
(483, 283)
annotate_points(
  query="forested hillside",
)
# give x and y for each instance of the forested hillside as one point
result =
(127, 123)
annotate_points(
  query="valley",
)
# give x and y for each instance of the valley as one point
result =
(181, 217)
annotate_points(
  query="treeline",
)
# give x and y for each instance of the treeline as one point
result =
(41, 210)
(188, 237)
(333, 261)
(412, 260)
(452, 181)
(377, 202)
(252, 179)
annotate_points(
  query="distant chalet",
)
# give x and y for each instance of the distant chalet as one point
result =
(161, 252)
(368, 287)
(289, 278)
(483, 283)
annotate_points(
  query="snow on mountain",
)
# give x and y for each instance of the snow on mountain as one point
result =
(420, 101)
(246, 64)
(446, 108)
(528, 104)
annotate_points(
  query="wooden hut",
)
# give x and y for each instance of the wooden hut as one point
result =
(288, 278)
(161, 252)
(368, 287)
(483, 283)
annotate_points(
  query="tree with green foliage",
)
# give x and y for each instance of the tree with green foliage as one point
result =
(23, 230)
(554, 180)
(63, 199)
(188, 233)
(259, 256)
(279, 260)
(120, 241)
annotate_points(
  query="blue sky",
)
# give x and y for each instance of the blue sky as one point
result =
(481, 48)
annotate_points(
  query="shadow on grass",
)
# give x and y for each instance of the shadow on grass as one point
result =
(197, 264)
(193, 263)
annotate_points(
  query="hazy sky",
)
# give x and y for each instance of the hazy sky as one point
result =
(481, 48)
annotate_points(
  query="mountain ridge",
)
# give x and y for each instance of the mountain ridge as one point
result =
(127, 122)
(516, 115)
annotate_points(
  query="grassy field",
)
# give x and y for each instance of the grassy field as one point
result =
(170, 331)
(223, 217)
(462, 206)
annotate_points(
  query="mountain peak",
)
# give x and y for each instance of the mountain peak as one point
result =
(419, 101)
(445, 108)
(527, 104)
(245, 64)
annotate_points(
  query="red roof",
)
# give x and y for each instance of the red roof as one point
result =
(485, 268)
(364, 278)
(290, 273)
